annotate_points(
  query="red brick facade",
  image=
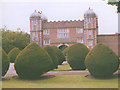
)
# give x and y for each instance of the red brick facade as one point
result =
(65, 32)
(111, 40)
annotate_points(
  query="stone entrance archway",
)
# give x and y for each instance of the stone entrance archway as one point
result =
(62, 46)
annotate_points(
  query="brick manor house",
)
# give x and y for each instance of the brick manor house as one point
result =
(64, 32)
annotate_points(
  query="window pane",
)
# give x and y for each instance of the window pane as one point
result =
(46, 42)
(63, 33)
(79, 30)
(46, 32)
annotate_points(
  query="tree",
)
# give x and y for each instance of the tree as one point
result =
(11, 39)
(115, 2)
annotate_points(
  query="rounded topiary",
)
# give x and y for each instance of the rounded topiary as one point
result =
(59, 54)
(119, 60)
(101, 61)
(32, 61)
(5, 62)
(65, 51)
(52, 53)
(76, 56)
(13, 53)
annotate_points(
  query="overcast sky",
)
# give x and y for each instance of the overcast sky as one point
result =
(16, 14)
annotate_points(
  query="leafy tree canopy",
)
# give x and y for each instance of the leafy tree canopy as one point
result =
(11, 39)
(115, 2)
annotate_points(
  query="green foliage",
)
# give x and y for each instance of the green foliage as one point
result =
(115, 2)
(119, 60)
(59, 54)
(5, 62)
(61, 81)
(65, 51)
(53, 56)
(12, 39)
(101, 61)
(32, 62)
(13, 54)
(76, 56)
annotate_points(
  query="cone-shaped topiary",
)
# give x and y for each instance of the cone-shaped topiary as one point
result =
(5, 62)
(53, 56)
(13, 53)
(32, 61)
(101, 61)
(59, 54)
(76, 56)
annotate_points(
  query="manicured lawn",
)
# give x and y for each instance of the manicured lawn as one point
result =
(60, 81)
(63, 68)
(0, 85)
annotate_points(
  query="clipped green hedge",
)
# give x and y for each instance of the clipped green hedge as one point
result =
(65, 51)
(13, 53)
(119, 60)
(59, 54)
(76, 56)
(101, 61)
(53, 56)
(32, 62)
(5, 62)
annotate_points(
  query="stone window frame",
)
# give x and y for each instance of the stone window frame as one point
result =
(79, 30)
(46, 32)
(34, 22)
(46, 42)
(35, 36)
(90, 42)
(63, 33)
(80, 40)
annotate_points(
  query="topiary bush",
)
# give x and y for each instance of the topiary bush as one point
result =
(13, 53)
(52, 53)
(76, 56)
(5, 62)
(32, 62)
(59, 54)
(65, 51)
(119, 60)
(101, 61)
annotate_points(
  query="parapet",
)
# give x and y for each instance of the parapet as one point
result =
(63, 24)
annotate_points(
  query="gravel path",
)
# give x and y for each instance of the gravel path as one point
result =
(12, 72)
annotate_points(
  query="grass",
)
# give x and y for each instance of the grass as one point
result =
(60, 81)
(65, 67)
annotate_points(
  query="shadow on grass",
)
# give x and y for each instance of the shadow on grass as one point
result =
(43, 77)
(106, 78)
(5, 79)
